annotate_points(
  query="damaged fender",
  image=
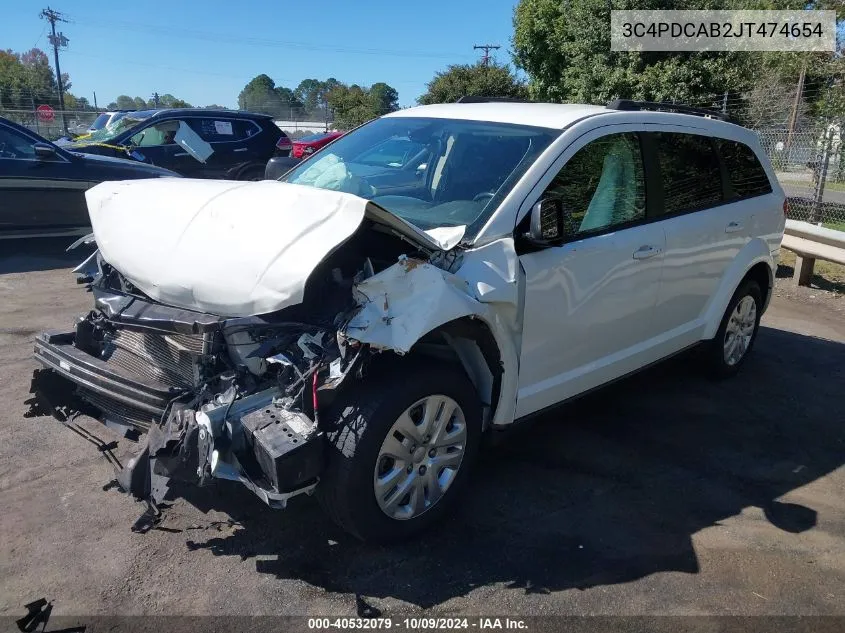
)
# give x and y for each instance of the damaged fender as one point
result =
(406, 301)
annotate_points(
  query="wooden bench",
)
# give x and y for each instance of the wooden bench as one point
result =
(809, 243)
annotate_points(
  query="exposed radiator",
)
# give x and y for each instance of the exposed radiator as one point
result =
(167, 358)
(117, 412)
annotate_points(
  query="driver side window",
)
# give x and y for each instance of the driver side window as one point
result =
(163, 133)
(14, 145)
(602, 185)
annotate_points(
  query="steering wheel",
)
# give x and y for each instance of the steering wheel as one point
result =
(485, 194)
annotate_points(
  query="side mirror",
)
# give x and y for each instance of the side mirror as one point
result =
(44, 151)
(546, 226)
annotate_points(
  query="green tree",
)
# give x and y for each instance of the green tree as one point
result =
(354, 105)
(310, 93)
(385, 98)
(260, 95)
(474, 80)
(124, 102)
(565, 48)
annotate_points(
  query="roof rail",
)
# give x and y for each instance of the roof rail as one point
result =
(471, 99)
(629, 104)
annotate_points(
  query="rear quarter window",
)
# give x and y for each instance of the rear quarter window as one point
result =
(219, 130)
(745, 173)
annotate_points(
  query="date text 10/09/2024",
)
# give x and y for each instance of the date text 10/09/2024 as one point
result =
(415, 624)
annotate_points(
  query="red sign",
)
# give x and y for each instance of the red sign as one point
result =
(45, 114)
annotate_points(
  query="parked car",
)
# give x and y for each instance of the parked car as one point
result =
(307, 145)
(191, 141)
(442, 273)
(43, 186)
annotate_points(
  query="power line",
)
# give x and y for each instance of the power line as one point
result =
(485, 59)
(217, 38)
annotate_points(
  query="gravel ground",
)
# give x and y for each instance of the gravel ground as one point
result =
(663, 494)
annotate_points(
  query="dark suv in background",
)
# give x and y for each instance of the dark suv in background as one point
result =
(194, 142)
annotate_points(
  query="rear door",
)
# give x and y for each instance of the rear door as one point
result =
(38, 194)
(234, 144)
(705, 229)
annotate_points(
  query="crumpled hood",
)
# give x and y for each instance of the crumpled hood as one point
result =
(226, 247)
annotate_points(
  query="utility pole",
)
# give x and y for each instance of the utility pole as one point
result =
(485, 59)
(95, 100)
(793, 117)
(58, 41)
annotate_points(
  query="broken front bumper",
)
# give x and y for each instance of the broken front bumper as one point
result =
(57, 351)
(254, 440)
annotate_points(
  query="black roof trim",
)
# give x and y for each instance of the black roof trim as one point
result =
(471, 99)
(233, 114)
(631, 105)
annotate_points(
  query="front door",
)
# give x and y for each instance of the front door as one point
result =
(589, 301)
(38, 194)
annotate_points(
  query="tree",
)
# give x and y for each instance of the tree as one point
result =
(354, 105)
(475, 80)
(309, 92)
(565, 48)
(124, 102)
(259, 95)
(385, 98)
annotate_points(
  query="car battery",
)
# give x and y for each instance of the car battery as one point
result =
(286, 445)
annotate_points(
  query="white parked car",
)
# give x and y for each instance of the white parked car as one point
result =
(437, 274)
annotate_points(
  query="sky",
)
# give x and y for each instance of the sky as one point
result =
(205, 51)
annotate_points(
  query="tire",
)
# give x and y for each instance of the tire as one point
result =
(362, 417)
(721, 364)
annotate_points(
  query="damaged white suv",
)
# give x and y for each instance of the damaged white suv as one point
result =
(434, 275)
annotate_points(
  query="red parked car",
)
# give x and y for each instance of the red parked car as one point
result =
(307, 145)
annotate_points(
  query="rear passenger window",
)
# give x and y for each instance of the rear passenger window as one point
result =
(746, 174)
(690, 169)
(602, 185)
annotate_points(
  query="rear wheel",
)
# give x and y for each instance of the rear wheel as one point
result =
(401, 453)
(738, 330)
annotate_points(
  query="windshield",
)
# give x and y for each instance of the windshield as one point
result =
(118, 124)
(100, 122)
(430, 172)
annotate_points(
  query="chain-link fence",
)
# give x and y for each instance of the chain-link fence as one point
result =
(811, 169)
(78, 121)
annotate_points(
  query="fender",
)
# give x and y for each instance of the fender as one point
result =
(403, 303)
(753, 253)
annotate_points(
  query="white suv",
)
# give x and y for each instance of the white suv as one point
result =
(437, 274)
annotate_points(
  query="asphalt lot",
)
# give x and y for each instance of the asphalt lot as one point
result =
(664, 494)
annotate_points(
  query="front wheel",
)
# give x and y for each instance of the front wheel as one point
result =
(402, 451)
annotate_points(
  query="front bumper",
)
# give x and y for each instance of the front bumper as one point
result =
(56, 351)
(271, 451)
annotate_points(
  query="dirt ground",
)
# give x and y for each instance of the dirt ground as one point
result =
(664, 494)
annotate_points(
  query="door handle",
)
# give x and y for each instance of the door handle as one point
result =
(646, 251)
(733, 227)
(181, 154)
(240, 149)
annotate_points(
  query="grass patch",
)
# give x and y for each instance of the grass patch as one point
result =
(836, 226)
